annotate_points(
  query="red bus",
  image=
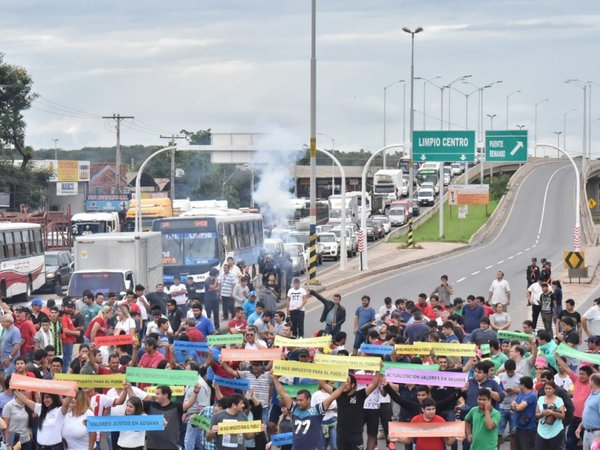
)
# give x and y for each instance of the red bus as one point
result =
(22, 268)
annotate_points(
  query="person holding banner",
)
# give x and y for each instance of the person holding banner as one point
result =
(131, 440)
(50, 419)
(233, 407)
(74, 431)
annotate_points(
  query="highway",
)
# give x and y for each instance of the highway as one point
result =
(540, 224)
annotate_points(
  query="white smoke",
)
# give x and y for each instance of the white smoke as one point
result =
(274, 163)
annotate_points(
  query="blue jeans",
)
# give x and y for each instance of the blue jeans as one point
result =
(67, 356)
(571, 438)
(507, 417)
(331, 330)
(331, 427)
(192, 437)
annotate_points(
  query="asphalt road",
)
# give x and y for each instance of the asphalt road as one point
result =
(540, 224)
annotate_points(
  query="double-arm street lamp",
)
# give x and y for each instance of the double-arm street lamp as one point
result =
(385, 88)
(507, 97)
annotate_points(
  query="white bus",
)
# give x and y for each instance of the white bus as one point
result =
(22, 267)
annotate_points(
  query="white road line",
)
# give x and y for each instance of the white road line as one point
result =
(510, 257)
(544, 202)
(520, 253)
(500, 262)
(476, 272)
(527, 249)
(462, 279)
(533, 246)
(489, 267)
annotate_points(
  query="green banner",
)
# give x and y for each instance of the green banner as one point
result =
(292, 389)
(505, 334)
(565, 350)
(400, 365)
(224, 339)
(485, 349)
(201, 422)
(161, 376)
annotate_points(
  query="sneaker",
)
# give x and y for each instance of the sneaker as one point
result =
(380, 436)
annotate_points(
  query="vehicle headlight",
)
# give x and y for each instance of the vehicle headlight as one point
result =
(50, 275)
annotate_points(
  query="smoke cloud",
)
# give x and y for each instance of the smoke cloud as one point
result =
(279, 152)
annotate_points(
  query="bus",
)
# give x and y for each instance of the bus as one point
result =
(22, 267)
(201, 239)
(152, 209)
(404, 164)
(428, 175)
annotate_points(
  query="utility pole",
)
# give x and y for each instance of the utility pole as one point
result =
(55, 148)
(118, 118)
(172, 139)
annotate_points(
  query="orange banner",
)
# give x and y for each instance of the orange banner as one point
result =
(431, 429)
(109, 341)
(68, 170)
(23, 383)
(266, 354)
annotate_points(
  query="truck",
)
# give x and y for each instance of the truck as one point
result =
(152, 209)
(374, 202)
(116, 262)
(388, 182)
(335, 211)
(84, 224)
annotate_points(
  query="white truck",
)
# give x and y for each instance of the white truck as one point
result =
(388, 182)
(335, 212)
(116, 262)
(84, 224)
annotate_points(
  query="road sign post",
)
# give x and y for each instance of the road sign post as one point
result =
(506, 146)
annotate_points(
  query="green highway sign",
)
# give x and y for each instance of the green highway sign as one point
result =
(506, 146)
(444, 146)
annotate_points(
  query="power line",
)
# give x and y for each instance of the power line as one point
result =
(118, 119)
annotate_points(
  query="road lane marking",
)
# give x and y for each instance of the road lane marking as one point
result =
(489, 267)
(510, 257)
(520, 253)
(476, 272)
(500, 262)
(527, 249)
(462, 279)
(545, 197)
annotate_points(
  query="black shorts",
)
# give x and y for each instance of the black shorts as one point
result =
(347, 441)
(371, 418)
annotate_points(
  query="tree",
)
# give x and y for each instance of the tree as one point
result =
(200, 137)
(15, 97)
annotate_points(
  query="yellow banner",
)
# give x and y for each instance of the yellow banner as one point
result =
(350, 362)
(310, 370)
(318, 342)
(439, 348)
(93, 381)
(250, 426)
(175, 390)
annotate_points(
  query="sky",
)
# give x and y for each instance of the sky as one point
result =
(244, 66)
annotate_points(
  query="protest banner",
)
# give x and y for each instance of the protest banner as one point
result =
(201, 422)
(113, 341)
(225, 339)
(399, 365)
(565, 350)
(176, 391)
(92, 381)
(485, 349)
(153, 422)
(351, 362)
(233, 383)
(281, 439)
(292, 389)
(161, 376)
(439, 348)
(308, 370)
(425, 430)
(263, 354)
(190, 346)
(233, 427)
(373, 349)
(514, 335)
(363, 378)
(426, 377)
(24, 383)
(317, 342)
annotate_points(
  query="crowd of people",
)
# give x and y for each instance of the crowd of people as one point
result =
(519, 386)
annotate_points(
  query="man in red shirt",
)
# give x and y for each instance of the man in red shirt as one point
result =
(425, 307)
(27, 329)
(428, 415)
(21, 367)
(152, 356)
(193, 333)
(238, 324)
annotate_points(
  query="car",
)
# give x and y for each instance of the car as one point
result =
(446, 179)
(329, 245)
(60, 265)
(426, 197)
(304, 238)
(430, 185)
(374, 230)
(299, 260)
(457, 168)
(384, 221)
(351, 239)
(404, 188)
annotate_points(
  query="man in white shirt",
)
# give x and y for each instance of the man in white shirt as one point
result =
(296, 306)
(534, 292)
(178, 292)
(499, 290)
(591, 320)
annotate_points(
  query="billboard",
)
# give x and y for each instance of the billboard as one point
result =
(469, 194)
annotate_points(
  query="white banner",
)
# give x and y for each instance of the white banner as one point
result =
(66, 188)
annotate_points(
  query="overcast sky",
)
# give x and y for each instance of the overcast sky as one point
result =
(243, 66)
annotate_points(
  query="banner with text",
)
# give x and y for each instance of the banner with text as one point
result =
(425, 430)
(225, 339)
(234, 427)
(190, 346)
(153, 422)
(565, 350)
(317, 342)
(24, 383)
(264, 354)
(512, 335)
(232, 383)
(92, 381)
(426, 377)
(161, 376)
(308, 370)
(176, 391)
(113, 341)
(439, 348)
(201, 422)
(351, 362)
(376, 349)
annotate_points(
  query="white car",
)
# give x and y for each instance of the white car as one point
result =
(426, 197)
(430, 185)
(404, 188)
(385, 221)
(351, 239)
(299, 259)
(457, 168)
(330, 247)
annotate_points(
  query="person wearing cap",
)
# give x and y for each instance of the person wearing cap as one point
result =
(26, 328)
(250, 304)
(152, 356)
(590, 321)
(37, 314)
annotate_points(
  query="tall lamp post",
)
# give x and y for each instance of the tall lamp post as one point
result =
(466, 177)
(491, 116)
(520, 127)
(441, 88)
(332, 162)
(558, 133)
(580, 84)
(535, 121)
(385, 88)
(508, 97)
(425, 81)
(565, 128)
(55, 148)
(412, 112)
(449, 87)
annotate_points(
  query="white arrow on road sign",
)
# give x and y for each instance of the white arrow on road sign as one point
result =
(463, 157)
(517, 147)
(423, 157)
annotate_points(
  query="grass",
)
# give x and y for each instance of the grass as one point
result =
(455, 229)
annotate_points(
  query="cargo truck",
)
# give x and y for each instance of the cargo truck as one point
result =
(389, 184)
(116, 262)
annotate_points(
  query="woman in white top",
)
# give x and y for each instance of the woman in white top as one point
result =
(50, 419)
(74, 430)
(132, 440)
(500, 320)
(125, 323)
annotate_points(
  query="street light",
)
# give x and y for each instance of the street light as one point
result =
(449, 87)
(55, 149)
(520, 127)
(558, 133)
(412, 110)
(237, 169)
(535, 125)
(332, 162)
(385, 88)
(507, 97)
(565, 128)
(425, 81)
(580, 84)
(491, 116)
(441, 88)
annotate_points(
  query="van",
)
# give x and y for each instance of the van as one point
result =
(426, 197)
